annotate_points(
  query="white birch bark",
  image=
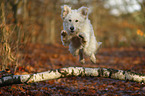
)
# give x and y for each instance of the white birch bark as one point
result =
(72, 71)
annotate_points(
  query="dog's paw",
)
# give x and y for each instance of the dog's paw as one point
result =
(83, 37)
(82, 61)
(76, 53)
(63, 33)
(93, 58)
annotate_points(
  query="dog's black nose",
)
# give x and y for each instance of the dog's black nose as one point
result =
(72, 28)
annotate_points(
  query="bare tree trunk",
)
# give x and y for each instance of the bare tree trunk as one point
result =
(52, 32)
(6, 54)
(25, 16)
(47, 29)
(94, 16)
(26, 33)
(72, 71)
(14, 4)
(3, 39)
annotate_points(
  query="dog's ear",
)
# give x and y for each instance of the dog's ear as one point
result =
(65, 10)
(84, 11)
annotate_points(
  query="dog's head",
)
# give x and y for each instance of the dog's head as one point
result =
(73, 20)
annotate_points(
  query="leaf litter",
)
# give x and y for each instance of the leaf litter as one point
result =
(39, 58)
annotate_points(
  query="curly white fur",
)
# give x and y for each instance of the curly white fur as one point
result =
(78, 33)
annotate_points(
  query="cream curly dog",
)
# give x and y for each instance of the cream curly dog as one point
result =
(78, 33)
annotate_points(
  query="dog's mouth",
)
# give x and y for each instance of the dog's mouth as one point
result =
(72, 31)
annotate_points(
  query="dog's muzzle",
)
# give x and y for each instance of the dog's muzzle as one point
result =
(72, 29)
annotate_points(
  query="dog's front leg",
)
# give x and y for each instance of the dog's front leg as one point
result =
(83, 38)
(65, 38)
(81, 55)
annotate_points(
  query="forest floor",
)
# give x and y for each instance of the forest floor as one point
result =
(40, 58)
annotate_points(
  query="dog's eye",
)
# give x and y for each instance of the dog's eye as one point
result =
(77, 20)
(69, 20)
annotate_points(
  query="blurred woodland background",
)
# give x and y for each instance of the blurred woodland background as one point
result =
(117, 23)
(30, 43)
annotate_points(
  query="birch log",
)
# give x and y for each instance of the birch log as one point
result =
(72, 71)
